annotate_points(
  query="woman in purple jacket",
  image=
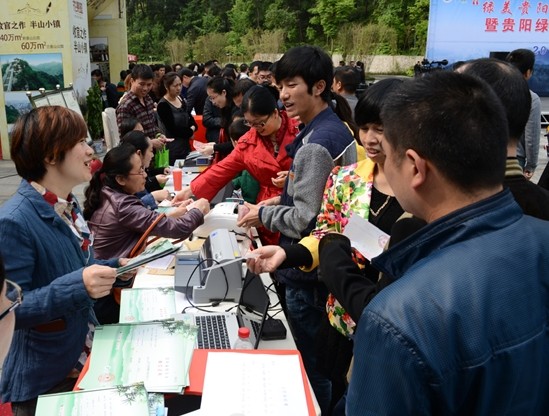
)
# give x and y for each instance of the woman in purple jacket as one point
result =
(117, 218)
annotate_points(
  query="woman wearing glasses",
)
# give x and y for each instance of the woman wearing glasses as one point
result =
(261, 151)
(118, 218)
(10, 299)
(47, 251)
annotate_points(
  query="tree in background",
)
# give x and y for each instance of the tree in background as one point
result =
(330, 15)
(179, 30)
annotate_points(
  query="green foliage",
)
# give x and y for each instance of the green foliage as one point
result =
(155, 27)
(95, 108)
(12, 114)
(239, 18)
(280, 16)
(330, 15)
(210, 46)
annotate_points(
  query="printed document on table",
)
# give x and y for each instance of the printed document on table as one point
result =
(123, 400)
(158, 354)
(145, 305)
(365, 237)
(253, 384)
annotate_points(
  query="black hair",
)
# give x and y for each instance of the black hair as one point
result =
(214, 71)
(167, 79)
(228, 73)
(97, 73)
(186, 72)
(348, 77)
(310, 63)
(123, 74)
(260, 100)
(523, 59)
(218, 85)
(243, 67)
(237, 129)
(368, 107)
(264, 66)
(510, 87)
(243, 85)
(137, 139)
(254, 64)
(142, 71)
(127, 124)
(453, 120)
(117, 162)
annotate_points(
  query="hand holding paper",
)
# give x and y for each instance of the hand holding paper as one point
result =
(365, 237)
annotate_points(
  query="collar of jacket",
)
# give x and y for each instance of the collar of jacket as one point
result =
(496, 211)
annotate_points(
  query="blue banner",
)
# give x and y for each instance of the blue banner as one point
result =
(467, 29)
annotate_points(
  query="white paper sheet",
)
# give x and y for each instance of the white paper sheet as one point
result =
(253, 385)
(365, 237)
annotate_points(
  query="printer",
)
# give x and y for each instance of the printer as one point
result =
(222, 215)
(212, 280)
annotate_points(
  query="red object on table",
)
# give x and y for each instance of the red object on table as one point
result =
(200, 133)
(197, 372)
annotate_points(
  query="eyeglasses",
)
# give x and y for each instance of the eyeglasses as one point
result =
(140, 173)
(259, 125)
(15, 295)
(213, 97)
(263, 77)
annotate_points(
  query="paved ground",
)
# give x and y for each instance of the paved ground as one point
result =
(9, 180)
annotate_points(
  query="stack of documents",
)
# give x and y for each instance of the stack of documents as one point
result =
(157, 354)
(129, 400)
(145, 305)
(151, 253)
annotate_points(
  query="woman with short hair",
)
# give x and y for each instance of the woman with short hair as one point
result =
(47, 250)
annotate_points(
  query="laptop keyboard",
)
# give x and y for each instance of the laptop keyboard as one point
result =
(255, 326)
(213, 332)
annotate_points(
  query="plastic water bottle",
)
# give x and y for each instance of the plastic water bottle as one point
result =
(243, 342)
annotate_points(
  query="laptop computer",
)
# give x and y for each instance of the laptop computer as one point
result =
(220, 330)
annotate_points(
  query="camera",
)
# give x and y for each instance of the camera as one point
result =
(427, 66)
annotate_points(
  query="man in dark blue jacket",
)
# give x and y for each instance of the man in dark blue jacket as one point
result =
(463, 329)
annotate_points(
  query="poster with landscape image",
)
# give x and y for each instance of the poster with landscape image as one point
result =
(31, 72)
(21, 73)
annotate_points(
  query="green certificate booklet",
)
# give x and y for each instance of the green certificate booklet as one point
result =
(157, 354)
(128, 400)
(145, 305)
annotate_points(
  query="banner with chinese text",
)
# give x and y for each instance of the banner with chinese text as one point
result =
(468, 29)
(43, 44)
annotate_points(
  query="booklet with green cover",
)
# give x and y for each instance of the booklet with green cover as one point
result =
(122, 400)
(151, 253)
(145, 305)
(157, 353)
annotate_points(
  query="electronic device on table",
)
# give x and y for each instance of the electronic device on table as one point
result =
(213, 273)
(222, 215)
(220, 330)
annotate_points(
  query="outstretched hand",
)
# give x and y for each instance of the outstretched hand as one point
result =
(266, 259)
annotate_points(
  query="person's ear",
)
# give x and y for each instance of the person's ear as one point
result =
(319, 87)
(419, 168)
(121, 180)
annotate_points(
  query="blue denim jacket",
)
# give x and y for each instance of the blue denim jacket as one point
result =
(44, 257)
(464, 328)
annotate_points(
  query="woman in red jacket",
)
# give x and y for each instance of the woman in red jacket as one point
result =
(261, 151)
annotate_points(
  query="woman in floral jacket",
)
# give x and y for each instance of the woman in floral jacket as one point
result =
(357, 189)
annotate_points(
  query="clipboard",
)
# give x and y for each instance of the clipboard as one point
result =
(197, 372)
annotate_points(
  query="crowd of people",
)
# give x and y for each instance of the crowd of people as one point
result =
(450, 319)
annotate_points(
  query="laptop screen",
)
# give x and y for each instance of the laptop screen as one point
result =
(253, 306)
